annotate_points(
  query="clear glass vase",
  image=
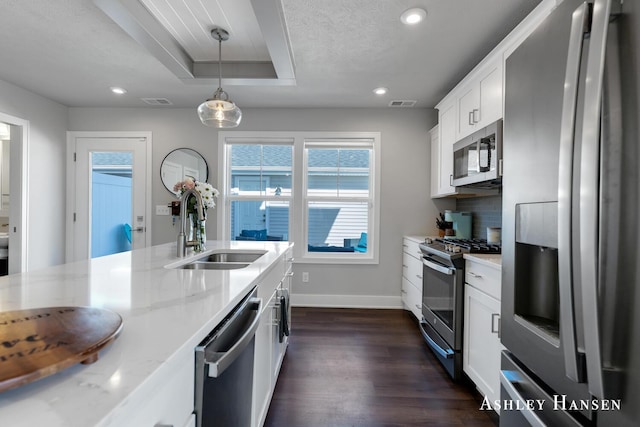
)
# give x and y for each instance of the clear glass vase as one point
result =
(197, 232)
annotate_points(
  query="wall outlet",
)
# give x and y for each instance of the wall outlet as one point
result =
(163, 210)
(305, 277)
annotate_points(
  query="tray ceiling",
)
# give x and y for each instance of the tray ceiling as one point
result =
(282, 53)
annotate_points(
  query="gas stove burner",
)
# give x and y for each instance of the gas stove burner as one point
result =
(469, 246)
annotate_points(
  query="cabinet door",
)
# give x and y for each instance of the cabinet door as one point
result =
(482, 347)
(170, 403)
(447, 125)
(468, 110)
(490, 91)
(278, 347)
(262, 364)
(480, 101)
(435, 157)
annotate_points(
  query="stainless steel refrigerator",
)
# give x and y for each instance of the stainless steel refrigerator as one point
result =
(571, 204)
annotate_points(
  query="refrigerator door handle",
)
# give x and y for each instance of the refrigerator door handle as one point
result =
(579, 25)
(590, 194)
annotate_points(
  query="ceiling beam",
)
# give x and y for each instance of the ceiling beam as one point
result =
(271, 20)
(136, 21)
(240, 73)
(141, 25)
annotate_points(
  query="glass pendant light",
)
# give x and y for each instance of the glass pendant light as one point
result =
(219, 111)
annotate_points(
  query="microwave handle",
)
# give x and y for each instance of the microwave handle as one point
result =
(487, 167)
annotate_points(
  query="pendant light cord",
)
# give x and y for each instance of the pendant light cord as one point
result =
(220, 64)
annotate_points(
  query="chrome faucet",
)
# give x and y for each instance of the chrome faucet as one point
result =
(182, 236)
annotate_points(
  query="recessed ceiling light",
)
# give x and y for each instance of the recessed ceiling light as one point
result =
(118, 90)
(380, 90)
(413, 16)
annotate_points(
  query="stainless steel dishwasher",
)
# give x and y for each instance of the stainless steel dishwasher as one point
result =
(224, 368)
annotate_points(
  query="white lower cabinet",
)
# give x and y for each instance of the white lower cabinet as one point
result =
(482, 347)
(262, 366)
(269, 351)
(170, 403)
(412, 275)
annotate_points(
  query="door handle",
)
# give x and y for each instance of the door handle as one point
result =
(493, 323)
(138, 229)
(475, 110)
(506, 380)
(565, 184)
(589, 194)
(221, 361)
(441, 268)
(470, 118)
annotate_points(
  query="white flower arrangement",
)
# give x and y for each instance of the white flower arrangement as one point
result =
(206, 190)
(208, 193)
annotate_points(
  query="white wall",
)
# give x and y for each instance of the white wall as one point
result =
(406, 206)
(46, 171)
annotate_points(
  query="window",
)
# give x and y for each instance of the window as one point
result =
(259, 191)
(319, 190)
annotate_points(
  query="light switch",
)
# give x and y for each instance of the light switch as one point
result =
(163, 210)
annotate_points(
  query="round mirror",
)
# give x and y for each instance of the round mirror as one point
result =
(181, 163)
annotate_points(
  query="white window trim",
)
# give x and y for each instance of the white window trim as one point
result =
(298, 217)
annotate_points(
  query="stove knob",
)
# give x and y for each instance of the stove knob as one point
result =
(428, 241)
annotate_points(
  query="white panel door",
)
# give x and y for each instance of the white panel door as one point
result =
(87, 151)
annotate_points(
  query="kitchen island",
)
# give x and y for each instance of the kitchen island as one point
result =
(146, 376)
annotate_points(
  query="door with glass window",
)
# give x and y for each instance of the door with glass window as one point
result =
(110, 208)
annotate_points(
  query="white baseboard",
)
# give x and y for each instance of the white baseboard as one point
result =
(346, 301)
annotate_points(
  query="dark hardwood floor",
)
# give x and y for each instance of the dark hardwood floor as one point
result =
(353, 367)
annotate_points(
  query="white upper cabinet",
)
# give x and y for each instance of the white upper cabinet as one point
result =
(477, 101)
(480, 100)
(435, 155)
(443, 164)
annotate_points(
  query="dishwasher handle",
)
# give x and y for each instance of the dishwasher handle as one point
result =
(219, 361)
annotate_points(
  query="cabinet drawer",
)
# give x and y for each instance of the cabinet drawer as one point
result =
(484, 278)
(411, 247)
(412, 269)
(412, 298)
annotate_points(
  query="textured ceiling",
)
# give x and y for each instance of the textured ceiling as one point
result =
(72, 52)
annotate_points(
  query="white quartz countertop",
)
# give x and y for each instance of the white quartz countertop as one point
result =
(165, 312)
(490, 260)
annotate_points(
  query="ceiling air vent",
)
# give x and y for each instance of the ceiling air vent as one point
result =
(157, 101)
(402, 103)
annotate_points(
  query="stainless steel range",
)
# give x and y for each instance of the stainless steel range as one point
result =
(442, 296)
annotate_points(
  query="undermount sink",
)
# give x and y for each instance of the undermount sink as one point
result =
(229, 259)
(205, 265)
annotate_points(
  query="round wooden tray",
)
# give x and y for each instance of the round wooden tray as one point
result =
(39, 342)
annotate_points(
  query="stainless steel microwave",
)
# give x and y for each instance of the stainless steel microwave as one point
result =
(477, 159)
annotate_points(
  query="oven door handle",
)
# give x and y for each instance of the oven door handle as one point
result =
(441, 268)
(447, 353)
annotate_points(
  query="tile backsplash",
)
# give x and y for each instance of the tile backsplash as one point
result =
(487, 212)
